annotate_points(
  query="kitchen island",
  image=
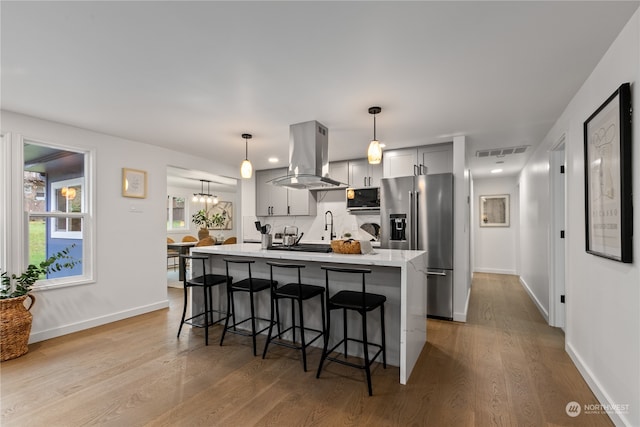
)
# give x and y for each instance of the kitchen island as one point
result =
(400, 275)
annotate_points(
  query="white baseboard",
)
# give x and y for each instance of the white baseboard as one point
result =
(97, 321)
(494, 271)
(535, 300)
(462, 317)
(602, 396)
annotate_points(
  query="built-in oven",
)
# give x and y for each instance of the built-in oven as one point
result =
(363, 199)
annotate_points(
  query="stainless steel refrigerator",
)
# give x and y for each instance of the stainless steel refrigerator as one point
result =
(416, 212)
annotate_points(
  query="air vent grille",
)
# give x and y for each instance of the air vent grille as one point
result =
(500, 152)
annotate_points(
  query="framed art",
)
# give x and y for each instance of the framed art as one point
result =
(134, 183)
(494, 210)
(225, 209)
(607, 168)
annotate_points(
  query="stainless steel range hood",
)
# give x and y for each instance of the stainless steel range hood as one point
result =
(308, 158)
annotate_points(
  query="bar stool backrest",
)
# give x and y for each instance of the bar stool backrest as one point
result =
(284, 265)
(349, 270)
(193, 258)
(239, 261)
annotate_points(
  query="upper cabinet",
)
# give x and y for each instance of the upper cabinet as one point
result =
(272, 200)
(436, 158)
(356, 173)
(425, 160)
(363, 174)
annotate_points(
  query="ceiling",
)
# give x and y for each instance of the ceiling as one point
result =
(194, 76)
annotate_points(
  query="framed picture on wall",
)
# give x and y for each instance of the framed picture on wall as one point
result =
(607, 169)
(134, 183)
(494, 210)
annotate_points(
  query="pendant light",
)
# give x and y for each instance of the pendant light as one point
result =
(245, 168)
(203, 197)
(374, 154)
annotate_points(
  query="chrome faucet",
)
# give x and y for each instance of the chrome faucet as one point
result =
(332, 235)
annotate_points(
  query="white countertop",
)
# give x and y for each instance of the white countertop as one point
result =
(381, 257)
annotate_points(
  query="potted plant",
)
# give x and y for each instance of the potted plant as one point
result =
(202, 219)
(15, 318)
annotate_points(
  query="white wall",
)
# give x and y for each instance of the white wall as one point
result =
(130, 247)
(495, 247)
(603, 296)
(461, 230)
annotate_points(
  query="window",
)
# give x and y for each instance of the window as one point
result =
(177, 213)
(56, 201)
(66, 196)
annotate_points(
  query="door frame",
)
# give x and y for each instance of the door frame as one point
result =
(557, 245)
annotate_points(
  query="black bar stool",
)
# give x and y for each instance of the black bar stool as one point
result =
(206, 282)
(249, 285)
(361, 302)
(295, 292)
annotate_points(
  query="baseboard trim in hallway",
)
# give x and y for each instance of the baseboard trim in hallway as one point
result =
(535, 300)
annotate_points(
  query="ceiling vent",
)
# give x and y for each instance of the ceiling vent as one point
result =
(501, 152)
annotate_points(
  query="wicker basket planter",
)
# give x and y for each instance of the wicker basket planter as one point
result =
(15, 326)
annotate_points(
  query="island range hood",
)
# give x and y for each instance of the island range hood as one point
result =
(308, 158)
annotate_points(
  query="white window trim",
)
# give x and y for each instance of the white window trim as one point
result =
(17, 220)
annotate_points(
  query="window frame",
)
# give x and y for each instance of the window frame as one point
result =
(15, 232)
(170, 227)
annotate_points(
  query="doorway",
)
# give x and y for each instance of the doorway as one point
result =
(557, 181)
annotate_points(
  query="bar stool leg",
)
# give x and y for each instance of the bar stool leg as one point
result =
(326, 341)
(266, 345)
(230, 313)
(206, 315)
(384, 342)
(367, 366)
(344, 315)
(304, 345)
(253, 323)
(184, 309)
(293, 320)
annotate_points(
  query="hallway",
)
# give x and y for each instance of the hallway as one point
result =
(505, 367)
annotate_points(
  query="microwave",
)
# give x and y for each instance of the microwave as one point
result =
(363, 199)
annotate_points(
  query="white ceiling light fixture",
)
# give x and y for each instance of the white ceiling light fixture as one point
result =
(496, 170)
(245, 168)
(374, 154)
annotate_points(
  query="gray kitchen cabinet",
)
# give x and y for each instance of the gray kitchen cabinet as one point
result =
(272, 200)
(424, 160)
(363, 174)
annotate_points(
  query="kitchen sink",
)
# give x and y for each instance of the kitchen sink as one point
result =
(302, 247)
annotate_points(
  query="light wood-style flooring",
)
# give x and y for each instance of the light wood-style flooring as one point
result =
(505, 367)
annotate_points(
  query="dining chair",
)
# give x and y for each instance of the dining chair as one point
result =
(207, 241)
(230, 241)
(172, 254)
(189, 239)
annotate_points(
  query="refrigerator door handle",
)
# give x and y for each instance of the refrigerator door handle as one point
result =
(412, 208)
(416, 213)
(436, 273)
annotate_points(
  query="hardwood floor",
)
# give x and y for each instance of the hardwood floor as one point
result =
(504, 367)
